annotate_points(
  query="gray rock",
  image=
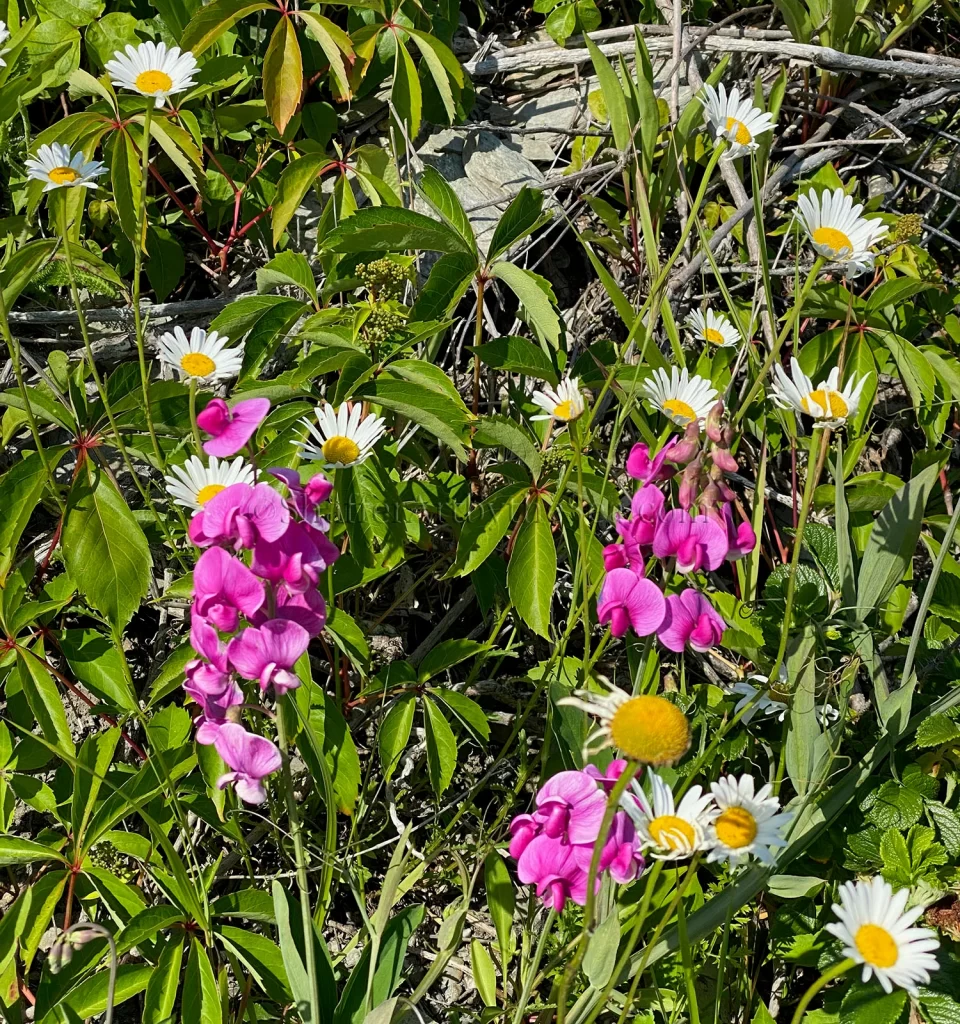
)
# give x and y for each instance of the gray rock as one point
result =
(562, 108)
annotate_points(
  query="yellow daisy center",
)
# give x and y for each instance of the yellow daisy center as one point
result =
(153, 81)
(833, 239)
(651, 730)
(196, 364)
(712, 334)
(736, 828)
(742, 136)
(208, 492)
(343, 450)
(564, 410)
(830, 401)
(63, 175)
(876, 945)
(667, 830)
(680, 410)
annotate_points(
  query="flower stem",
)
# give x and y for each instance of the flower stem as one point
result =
(300, 859)
(835, 972)
(197, 440)
(694, 1009)
(138, 246)
(532, 967)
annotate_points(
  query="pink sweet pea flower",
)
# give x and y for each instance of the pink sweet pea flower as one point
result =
(646, 511)
(306, 497)
(630, 601)
(231, 428)
(741, 539)
(570, 805)
(607, 778)
(268, 653)
(240, 515)
(621, 854)
(251, 759)
(550, 865)
(222, 587)
(296, 559)
(697, 542)
(214, 708)
(650, 471)
(690, 619)
(614, 557)
(205, 640)
(523, 829)
(307, 609)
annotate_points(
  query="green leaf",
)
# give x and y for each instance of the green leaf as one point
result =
(89, 998)
(517, 355)
(297, 977)
(283, 74)
(75, 12)
(407, 95)
(294, 184)
(394, 733)
(448, 282)
(915, 369)
(263, 959)
(164, 983)
(20, 490)
(468, 711)
(484, 973)
(948, 826)
(21, 269)
(447, 654)
(441, 747)
(939, 1008)
(14, 850)
(937, 730)
(180, 148)
(105, 550)
(601, 955)
(212, 20)
(892, 541)
(393, 229)
(803, 730)
(43, 697)
(534, 298)
(166, 264)
(438, 193)
(436, 413)
(442, 65)
(613, 96)
(486, 526)
(289, 268)
(532, 572)
(327, 35)
(340, 752)
(93, 761)
(201, 997)
(500, 431)
(522, 217)
(501, 902)
(97, 664)
(125, 178)
(867, 1004)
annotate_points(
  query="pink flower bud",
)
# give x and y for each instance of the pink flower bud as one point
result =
(713, 428)
(723, 459)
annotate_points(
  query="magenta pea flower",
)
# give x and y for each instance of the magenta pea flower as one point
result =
(741, 540)
(306, 497)
(551, 866)
(230, 429)
(571, 806)
(296, 559)
(690, 619)
(251, 759)
(650, 470)
(646, 511)
(269, 652)
(609, 777)
(214, 707)
(240, 515)
(697, 543)
(614, 557)
(205, 640)
(523, 829)
(630, 601)
(307, 609)
(222, 587)
(620, 855)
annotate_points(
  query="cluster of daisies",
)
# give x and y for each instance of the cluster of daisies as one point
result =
(734, 823)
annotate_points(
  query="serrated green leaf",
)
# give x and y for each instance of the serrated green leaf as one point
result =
(486, 526)
(535, 296)
(392, 229)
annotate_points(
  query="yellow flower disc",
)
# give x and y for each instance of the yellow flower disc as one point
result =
(650, 730)
(876, 945)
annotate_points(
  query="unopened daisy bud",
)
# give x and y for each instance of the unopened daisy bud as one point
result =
(724, 460)
(713, 422)
(689, 485)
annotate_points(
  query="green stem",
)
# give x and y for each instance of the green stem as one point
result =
(139, 243)
(818, 441)
(532, 967)
(722, 966)
(197, 440)
(300, 859)
(687, 964)
(835, 972)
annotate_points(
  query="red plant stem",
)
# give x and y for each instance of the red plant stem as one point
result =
(186, 211)
(68, 912)
(236, 236)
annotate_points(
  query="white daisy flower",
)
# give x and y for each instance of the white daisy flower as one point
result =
(837, 231)
(4, 36)
(828, 403)
(343, 437)
(647, 728)
(712, 327)
(566, 403)
(671, 832)
(193, 484)
(876, 931)
(60, 168)
(748, 824)
(679, 396)
(738, 121)
(203, 356)
(152, 70)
